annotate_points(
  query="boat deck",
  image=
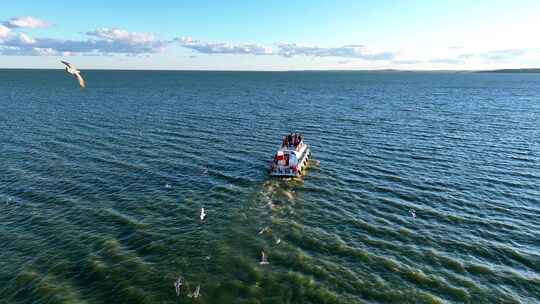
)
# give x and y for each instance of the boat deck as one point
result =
(285, 171)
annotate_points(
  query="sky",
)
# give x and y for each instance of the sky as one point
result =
(271, 35)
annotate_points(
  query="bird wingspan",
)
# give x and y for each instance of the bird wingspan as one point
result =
(81, 80)
(66, 63)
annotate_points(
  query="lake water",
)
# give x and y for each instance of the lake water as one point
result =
(100, 189)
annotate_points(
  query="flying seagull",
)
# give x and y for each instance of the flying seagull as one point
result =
(264, 230)
(178, 285)
(203, 214)
(71, 69)
(264, 259)
(196, 293)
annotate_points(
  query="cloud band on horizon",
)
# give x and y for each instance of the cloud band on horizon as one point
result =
(114, 41)
(109, 41)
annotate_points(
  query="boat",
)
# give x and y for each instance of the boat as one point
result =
(291, 158)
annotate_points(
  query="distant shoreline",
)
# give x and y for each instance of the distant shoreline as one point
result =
(513, 71)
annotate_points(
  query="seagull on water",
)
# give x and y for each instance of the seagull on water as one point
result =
(264, 259)
(178, 285)
(278, 241)
(413, 213)
(71, 69)
(203, 214)
(196, 293)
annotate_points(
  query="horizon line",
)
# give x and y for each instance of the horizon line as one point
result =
(292, 70)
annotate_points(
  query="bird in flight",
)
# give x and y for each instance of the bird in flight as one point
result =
(71, 69)
(178, 285)
(264, 230)
(203, 214)
(196, 293)
(264, 259)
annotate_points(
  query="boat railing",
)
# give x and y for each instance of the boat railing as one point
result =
(284, 170)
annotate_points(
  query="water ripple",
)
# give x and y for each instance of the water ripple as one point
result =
(101, 189)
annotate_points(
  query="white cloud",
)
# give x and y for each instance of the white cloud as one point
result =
(4, 31)
(115, 34)
(224, 48)
(496, 55)
(13, 39)
(111, 41)
(103, 41)
(446, 61)
(107, 41)
(28, 51)
(516, 57)
(346, 51)
(26, 22)
(407, 61)
(284, 49)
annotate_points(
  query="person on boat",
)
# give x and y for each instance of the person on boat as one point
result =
(290, 139)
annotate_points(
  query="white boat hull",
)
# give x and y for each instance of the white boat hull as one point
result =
(284, 171)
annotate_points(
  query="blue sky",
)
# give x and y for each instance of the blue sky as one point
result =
(270, 35)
